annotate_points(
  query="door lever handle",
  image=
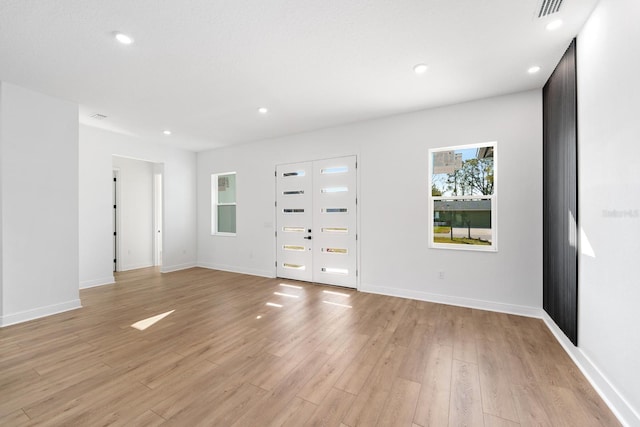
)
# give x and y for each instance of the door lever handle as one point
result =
(308, 237)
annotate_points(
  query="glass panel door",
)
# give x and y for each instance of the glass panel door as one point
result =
(316, 221)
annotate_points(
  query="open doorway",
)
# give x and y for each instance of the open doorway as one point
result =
(137, 213)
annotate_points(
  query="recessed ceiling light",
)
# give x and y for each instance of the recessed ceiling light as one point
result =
(420, 68)
(123, 38)
(263, 110)
(533, 69)
(166, 132)
(554, 25)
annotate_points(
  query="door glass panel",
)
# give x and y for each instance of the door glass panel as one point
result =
(296, 173)
(340, 230)
(334, 190)
(293, 229)
(337, 250)
(293, 266)
(290, 193)
(293, 248)
(334, 210)
(336, 169)
(293, 211)
(334, 270)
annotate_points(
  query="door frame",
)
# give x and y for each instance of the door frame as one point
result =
(358, 215)
(158, 169)
(116, 250)
(158, 216)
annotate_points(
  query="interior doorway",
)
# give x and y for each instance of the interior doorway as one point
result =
(137, 213)
(316, 218)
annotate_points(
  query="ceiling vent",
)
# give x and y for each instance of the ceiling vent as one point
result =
(98, 116)
(548, 7)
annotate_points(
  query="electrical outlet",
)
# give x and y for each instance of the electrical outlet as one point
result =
(441, 275)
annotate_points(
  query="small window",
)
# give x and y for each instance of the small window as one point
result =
(293, 229)
(223, 196)
(463, 197)
(295, 173)
(293, 210)
(292, 192)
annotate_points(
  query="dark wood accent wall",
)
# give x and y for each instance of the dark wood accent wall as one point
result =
(560, 195)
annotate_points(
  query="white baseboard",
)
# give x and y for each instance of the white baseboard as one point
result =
(607, 391)
(234, 269)
(97, 282)
(520, 310)
(36, 313)
(177, 267)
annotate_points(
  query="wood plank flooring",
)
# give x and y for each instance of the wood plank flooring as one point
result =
(240, 350)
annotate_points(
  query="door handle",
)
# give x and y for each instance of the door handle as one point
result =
(308, 237)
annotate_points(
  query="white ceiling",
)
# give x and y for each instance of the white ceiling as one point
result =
(201, 68)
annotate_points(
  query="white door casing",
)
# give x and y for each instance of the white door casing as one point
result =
(317, 221)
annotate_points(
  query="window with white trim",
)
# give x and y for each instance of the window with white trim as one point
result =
(223, 209)
(463, 197)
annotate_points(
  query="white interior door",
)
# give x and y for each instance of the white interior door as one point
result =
(316, 221)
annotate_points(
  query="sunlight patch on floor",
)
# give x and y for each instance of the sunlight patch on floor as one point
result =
(150, 321)
(335, 303)
(286, 295)
(290, 286)
(342, 294)
(273, 304)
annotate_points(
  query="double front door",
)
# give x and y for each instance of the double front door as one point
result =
(316, 221)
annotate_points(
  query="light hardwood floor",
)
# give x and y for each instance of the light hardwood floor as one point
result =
(319, 356)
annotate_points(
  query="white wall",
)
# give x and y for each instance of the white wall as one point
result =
(39, 169)
(609, 135)
(392, 156)
(1, 210)
(96, 236)
(135, 210)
